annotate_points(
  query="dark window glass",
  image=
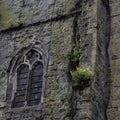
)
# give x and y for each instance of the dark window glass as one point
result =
(35, 90)
(21, 87)
(19, 104)
(36, 83)
(34, 102)
(22, 79)
(29, 82)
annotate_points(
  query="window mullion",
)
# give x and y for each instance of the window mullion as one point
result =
(28, 94)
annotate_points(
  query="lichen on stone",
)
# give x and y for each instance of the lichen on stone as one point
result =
(8, 18)
(25, 15)
(68, 4)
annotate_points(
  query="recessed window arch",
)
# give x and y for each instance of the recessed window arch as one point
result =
(29, 85)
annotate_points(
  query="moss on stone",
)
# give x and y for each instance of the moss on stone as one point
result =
(26, 15)
(68, 4)
(8, 18)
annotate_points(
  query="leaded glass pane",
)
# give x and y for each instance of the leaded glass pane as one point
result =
(36, 83)
(22, 79)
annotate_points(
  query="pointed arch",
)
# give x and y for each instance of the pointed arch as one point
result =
(22, 80)
(27, 71)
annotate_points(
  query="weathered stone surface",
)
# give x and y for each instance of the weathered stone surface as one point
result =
(58, 92)
(57, 26)
(24, 12)
(56, 38)
(114, 51)
(100, 87)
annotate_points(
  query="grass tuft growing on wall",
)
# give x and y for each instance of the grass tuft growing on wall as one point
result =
(83, 73)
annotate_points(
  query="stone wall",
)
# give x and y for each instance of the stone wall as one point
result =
(114, 51)
(94, 37)
(57, 26)
(100, 88)
(57, 80)
(25, 12)
(86, 35)
(52, 24)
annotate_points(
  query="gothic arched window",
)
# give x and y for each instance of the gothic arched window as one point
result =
(29, 80)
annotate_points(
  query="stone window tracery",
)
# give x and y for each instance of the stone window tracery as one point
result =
(29, 80)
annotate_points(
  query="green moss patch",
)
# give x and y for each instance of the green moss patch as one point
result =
(8, 19)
